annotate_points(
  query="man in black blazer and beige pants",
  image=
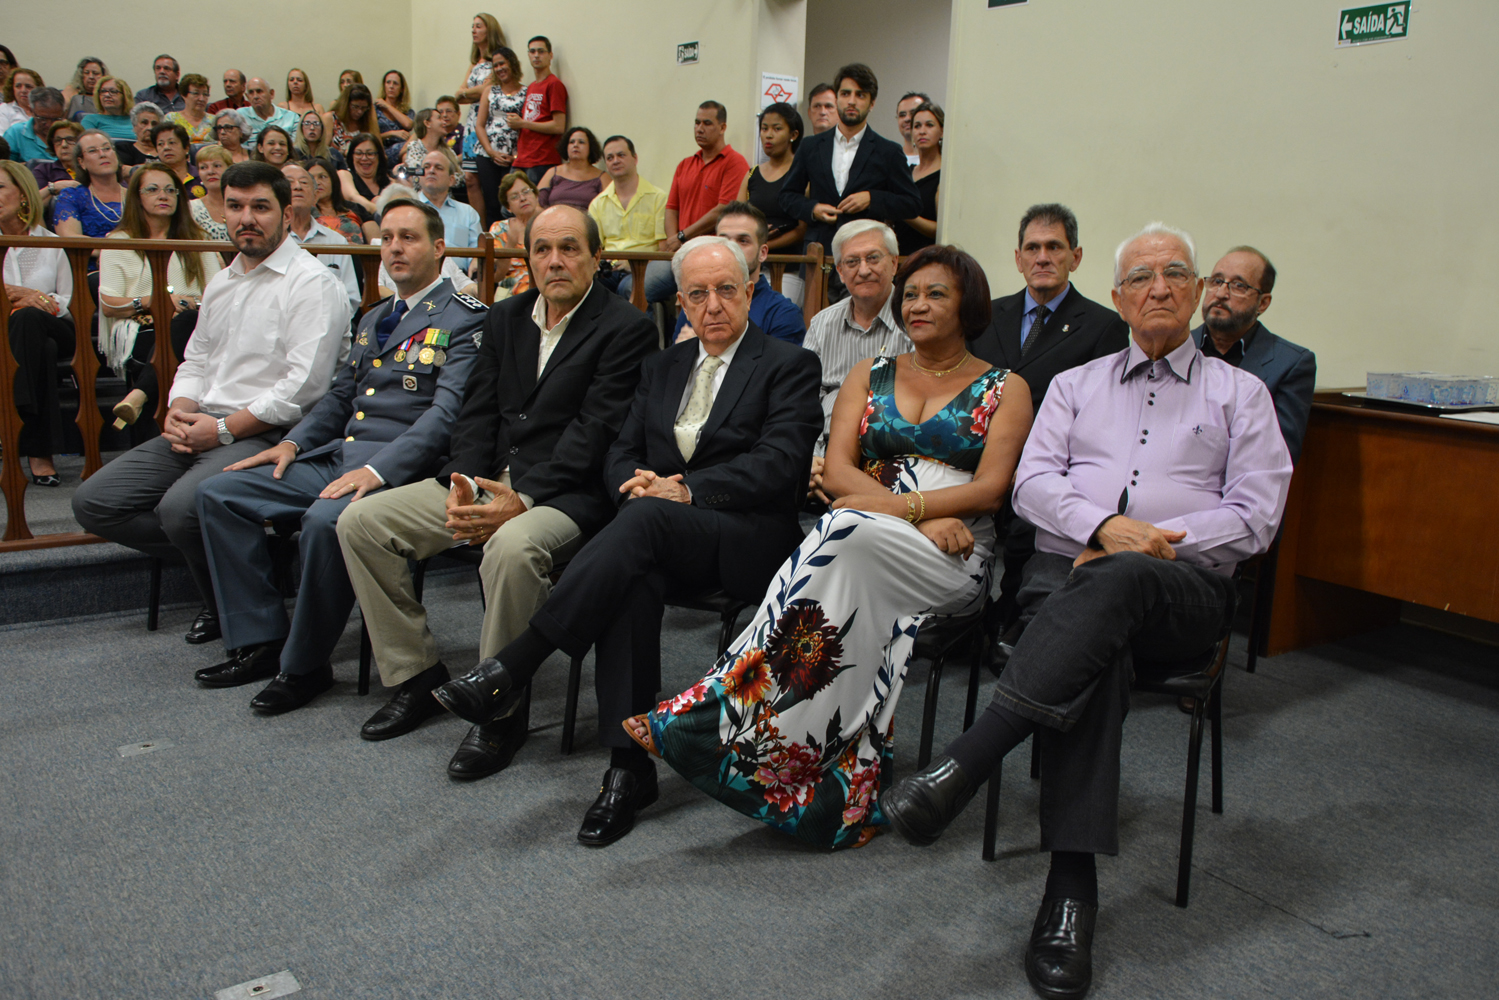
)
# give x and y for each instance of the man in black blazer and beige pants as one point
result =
(551, 385)
(1043, 329)
(852, 172)
(709, 472)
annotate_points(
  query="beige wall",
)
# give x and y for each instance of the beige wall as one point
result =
(279, 35)
(905, 42)
(619, 62)
(1366, 174)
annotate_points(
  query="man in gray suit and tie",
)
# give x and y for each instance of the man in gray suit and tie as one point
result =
(385, 423)
(1237, 294)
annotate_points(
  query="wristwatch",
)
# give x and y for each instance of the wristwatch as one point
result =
(681, 236)
(136, 304)
(225, 435)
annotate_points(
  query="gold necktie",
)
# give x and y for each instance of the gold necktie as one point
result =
(695, 414)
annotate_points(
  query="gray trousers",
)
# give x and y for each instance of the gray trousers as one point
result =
(147, 499)
(381, 532)
(233, 508)
(1072, 668)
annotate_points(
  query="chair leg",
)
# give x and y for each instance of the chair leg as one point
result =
(1035, 759)
(1215, 719)
(366, 656)
(991, 812)
(483, 604)
(970, 706)
(570, 710)
(929, 711)
(153, 605)
(419, 578)
(1264, 600)
(1189, 808)
(726, 629)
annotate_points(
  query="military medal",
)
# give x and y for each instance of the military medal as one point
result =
(426, 356)
(399, 356)
(440, 357)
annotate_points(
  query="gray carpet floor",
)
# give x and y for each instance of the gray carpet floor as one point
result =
(1355, 857)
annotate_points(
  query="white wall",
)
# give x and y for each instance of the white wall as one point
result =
(265, 39)
(619, 62)
(1366, 174)
(905, 42)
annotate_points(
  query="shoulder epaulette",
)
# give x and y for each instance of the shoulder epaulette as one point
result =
(470, 301)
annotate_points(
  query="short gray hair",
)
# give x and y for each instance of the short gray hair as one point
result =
(234, 116)
(1155, 229)
(858, 228)
(692, 246)
(47, 97)
(144, 108)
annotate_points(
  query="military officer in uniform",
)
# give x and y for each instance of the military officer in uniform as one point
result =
(385, 423)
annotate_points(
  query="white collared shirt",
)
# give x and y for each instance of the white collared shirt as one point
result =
(41, 269)
(727, 357)
(340, 263)
(844, 151)
(268, 338)
(549, 338)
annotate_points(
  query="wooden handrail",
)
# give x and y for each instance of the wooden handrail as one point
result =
(14, 476)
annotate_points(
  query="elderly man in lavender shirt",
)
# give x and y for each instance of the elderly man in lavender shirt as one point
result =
(1149, 475)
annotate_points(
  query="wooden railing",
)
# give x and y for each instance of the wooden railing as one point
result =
(14, 476)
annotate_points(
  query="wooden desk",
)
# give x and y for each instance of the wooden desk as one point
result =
(1386, 506)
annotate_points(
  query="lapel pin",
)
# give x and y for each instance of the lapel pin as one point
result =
(1066, 327)
(430, 305)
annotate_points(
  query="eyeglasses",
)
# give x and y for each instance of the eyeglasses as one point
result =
(725, 293)
(1236, 286)
(873, 259)
(365, 152)
(152, 189)
(1142, 278)
(226, 128)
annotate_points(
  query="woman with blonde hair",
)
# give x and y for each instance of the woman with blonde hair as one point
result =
(79, 92)
(113, 102)
(39, 286)
(311, 140)
(351, 114)
(156, 208)
(348, 78)
(208, 210)
(299, 93)
(393, 113)
(486, 38)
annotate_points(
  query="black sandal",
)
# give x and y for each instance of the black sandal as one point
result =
(46, 480)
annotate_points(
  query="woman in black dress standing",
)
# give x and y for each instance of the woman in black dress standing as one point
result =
(780, 134)
(926, 135)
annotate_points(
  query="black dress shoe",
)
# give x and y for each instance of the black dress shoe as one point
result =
(205, 628)
(489, 748)
(1059, 958)
(612, 815)
(253, 663)
(289, 691)
(48, 480)
(411, 705)
(482, 695)
(921, 806)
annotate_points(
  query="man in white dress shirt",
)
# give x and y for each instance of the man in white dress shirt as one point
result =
(271, 329)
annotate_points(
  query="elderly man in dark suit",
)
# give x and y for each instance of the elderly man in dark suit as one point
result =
(549, 391)
(382, 424)
(1237, 295)
(1045, 328)
(709, 472)
(852, 172)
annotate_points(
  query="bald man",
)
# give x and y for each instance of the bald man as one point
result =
(260, 110)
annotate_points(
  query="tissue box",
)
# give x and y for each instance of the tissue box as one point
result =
(1434, 389)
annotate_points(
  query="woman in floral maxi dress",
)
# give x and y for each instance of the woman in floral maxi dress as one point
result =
(793, 726)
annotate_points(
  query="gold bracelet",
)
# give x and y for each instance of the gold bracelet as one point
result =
(922, 516)
(910, 510)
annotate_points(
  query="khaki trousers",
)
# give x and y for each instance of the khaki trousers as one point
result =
(383, 530)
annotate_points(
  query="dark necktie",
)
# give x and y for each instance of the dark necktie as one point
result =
(387, 326)
(1035, 331)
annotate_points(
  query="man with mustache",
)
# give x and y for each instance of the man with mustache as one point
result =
(271, 329)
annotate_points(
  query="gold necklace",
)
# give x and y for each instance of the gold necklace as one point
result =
(961, 361)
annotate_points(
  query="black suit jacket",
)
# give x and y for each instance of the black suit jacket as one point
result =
(1079, 331)
(879, 167)
(1289, 371)
(752, 457)
(553, 431)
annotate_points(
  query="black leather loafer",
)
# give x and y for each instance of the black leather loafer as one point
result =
(291, 691)
(482, 695)
(1059, 958)
(612, 815)
(205, 628)
(488, 749)
(244, 666)
(921, 806)
(411, 705)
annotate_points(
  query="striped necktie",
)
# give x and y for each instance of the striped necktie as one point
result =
(695, 413)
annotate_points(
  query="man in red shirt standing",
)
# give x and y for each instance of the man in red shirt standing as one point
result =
(544, 116)
(703, 184)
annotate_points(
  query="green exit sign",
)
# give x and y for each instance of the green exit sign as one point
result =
(1380, 23)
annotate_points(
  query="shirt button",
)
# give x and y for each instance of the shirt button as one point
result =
(1135, 473)
(359, 415)
(1142, 440)
(1150, 402)
(376, 362)
(349, 438)
(514, 450)
(1152, 395)
(1145, 432)
(369, 392)
(1133, 483)
(523, 416)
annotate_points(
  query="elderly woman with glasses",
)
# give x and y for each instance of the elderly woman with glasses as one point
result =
(113, 102)
(368, 175)
(194, 114)
(229, 130)
(57, 175)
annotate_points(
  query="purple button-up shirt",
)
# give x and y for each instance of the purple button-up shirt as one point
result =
(1187, 443)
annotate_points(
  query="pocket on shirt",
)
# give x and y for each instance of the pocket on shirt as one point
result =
(1199, 453)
